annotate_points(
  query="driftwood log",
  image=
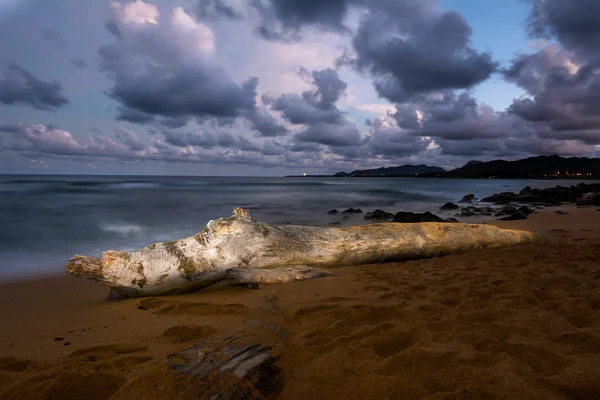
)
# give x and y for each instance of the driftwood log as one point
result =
(239, 242)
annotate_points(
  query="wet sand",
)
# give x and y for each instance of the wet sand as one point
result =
(516, 323)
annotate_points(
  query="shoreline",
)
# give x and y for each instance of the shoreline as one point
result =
(513, 322)
(475, 219)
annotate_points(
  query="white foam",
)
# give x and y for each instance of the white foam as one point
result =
(120, 228)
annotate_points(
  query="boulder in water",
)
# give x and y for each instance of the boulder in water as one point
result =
(449, 206)
(379, 214)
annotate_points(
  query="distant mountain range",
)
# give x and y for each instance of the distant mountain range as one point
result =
(401, 170)
(542, 167)
(533, 167)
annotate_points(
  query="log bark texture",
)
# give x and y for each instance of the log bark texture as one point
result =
(239, 242)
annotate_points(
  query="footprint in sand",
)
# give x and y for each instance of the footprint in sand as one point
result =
(376, 288)
(95, 353)
(186, 333)
(161, 306)
(12, 364)
(392, 345)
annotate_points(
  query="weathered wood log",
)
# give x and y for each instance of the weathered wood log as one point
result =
(253, 276)
(230, 367)
(239, 242)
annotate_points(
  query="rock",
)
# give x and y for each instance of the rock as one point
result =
(526, 191)
(230, 367)
(527, 198)
(352, 211)
(466, 213)
(449, 206)
(334, 223)
(454, 219)
(514, 217)
(379, 214)
(525, 210)
(508, 210)
(410, 217)
(590, 199)
(559, 212)
(468, 198)
(495, 198)
(332, 212)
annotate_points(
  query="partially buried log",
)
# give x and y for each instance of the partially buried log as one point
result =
(239, 242)
(231, 367)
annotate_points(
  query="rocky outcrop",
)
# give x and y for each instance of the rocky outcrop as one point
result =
(467, 198)
(514, 217)
(410, 217)
(449, 206)
(379, 215)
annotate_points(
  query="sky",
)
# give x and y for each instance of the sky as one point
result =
(274, 87)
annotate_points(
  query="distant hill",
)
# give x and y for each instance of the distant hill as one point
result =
(401, 170)
(533, 167)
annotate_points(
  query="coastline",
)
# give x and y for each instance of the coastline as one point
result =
(518, 322)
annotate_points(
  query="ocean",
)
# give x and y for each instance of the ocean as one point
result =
(45, 219)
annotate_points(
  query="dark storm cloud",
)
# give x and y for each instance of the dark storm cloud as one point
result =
(78, 62)
(411, 48)
(344, 134)
(575, 24)
(305, 147)
(54, 37)
(130, 139)
(316, 109)
(264, 123)
(408, 46)
(134, 116)
(283, 19)
(176, 90)
(49, 141)
(564, 83)
(207, 140)
(388, 140)
(174, 122)
(313, 106)
(19, 86)
(168, 69)
(210, 9)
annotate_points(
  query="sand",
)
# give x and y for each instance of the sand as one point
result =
(517, 323)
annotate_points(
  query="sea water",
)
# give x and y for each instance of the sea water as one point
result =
(44, 219)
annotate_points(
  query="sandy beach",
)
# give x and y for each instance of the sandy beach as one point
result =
(515, 323)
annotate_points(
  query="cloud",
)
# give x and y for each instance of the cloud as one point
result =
(129, 138)
(168, 67)
(53, 37)
(575, 24)
(78, 62)
(408, 46)
(263, 122)
(19, 86)
(283, 19)
(211, 9)
(342, 135)
(316, 106)
(203, 147)
(562, 79)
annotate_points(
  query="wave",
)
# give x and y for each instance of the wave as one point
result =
(121, 228)
(133, 185)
